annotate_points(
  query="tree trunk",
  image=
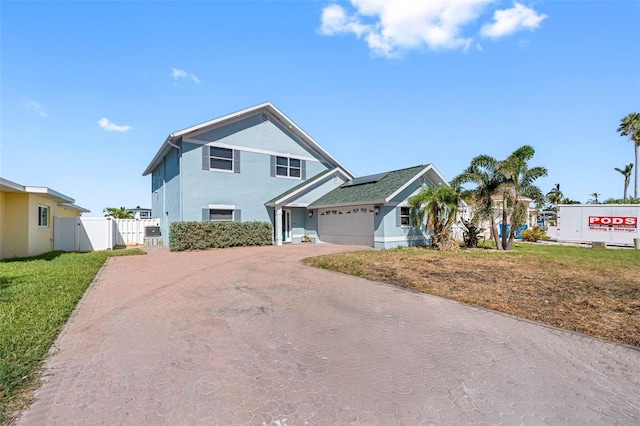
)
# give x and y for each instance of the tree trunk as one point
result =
(626, 185)
(504, 224)
(635, 189)
(494, 234)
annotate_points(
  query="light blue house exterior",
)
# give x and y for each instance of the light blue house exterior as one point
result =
(229, 167)
(257, 164)
(374, 210)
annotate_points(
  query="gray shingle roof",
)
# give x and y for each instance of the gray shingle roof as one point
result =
(369, 192)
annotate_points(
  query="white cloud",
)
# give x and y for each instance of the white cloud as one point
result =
(178, 73)
(111, 127)
(391, 27)
(36, 107)
(509, 21)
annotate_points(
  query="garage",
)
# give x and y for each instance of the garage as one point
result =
(352, 225)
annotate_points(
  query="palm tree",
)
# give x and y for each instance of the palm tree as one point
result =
(517, 182)
(118, 213)
(511, 179)
(555, 196)
(594, 198)
(630, 126)
(626, 172)
(438, 207)
(482, 173)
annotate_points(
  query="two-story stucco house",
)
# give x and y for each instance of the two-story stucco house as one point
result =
(257, 164)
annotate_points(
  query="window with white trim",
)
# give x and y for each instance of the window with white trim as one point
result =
(43, 216)
(220, 158)
(290, 167)
(405, 216)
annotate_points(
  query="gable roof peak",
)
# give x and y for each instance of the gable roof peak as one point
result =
(286, 122)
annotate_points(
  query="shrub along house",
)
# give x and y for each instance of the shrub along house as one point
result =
(258, 165)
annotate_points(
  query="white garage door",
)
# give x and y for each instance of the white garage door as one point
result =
(347, 225)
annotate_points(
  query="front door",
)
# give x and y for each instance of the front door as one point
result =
(286, 225)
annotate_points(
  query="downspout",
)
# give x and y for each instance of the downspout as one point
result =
(169, 139)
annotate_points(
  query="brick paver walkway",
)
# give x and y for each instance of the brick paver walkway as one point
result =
(251, 336)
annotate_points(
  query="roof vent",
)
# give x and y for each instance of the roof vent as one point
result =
(264, 117)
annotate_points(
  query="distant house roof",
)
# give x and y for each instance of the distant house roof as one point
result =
(377, 189)
(236, 116)
(61, 199)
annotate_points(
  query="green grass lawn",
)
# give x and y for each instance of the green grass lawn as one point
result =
(37, 295)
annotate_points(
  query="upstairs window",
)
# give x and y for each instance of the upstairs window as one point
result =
(216, 158)
(220, 158)
(43, 216)
(287, 167)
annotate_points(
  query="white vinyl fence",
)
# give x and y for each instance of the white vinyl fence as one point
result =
(131, 231)
(98, 233)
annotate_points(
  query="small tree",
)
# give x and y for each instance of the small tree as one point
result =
(555, 196)
(118, 213)
(626, 172)
(630, 126)
(437, 206)
(594, 198)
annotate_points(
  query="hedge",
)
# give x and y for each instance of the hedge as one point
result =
(206, 235)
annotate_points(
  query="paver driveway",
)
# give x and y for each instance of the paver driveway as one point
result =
(251, 336)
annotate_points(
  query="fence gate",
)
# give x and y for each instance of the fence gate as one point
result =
(65, 233)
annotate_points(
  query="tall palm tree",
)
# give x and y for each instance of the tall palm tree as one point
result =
(482, 173)
(626, 172)
(555, 196)
(630, 126)
(594, 198)
(438, 207)
(511, 180)
(118, 213)
(518, 182)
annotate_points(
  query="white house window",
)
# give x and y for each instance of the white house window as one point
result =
(290, 167)
(43, 216)
(220, 215)
(220, 158)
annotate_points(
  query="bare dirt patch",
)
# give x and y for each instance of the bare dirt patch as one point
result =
(596, 292)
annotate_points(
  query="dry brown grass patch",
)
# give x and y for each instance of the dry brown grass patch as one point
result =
(596, 293)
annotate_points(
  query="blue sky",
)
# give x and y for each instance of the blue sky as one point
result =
(89, 90)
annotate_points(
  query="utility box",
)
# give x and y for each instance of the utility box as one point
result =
(152, 236)
(611, 224)
(151, 231)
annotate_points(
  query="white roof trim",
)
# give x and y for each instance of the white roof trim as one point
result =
(309, 183)
(229, 118)
(75, 207)
(50, 193)
(12, 186)
(347, 204)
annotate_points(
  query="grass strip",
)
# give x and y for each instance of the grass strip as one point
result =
(37, 295)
